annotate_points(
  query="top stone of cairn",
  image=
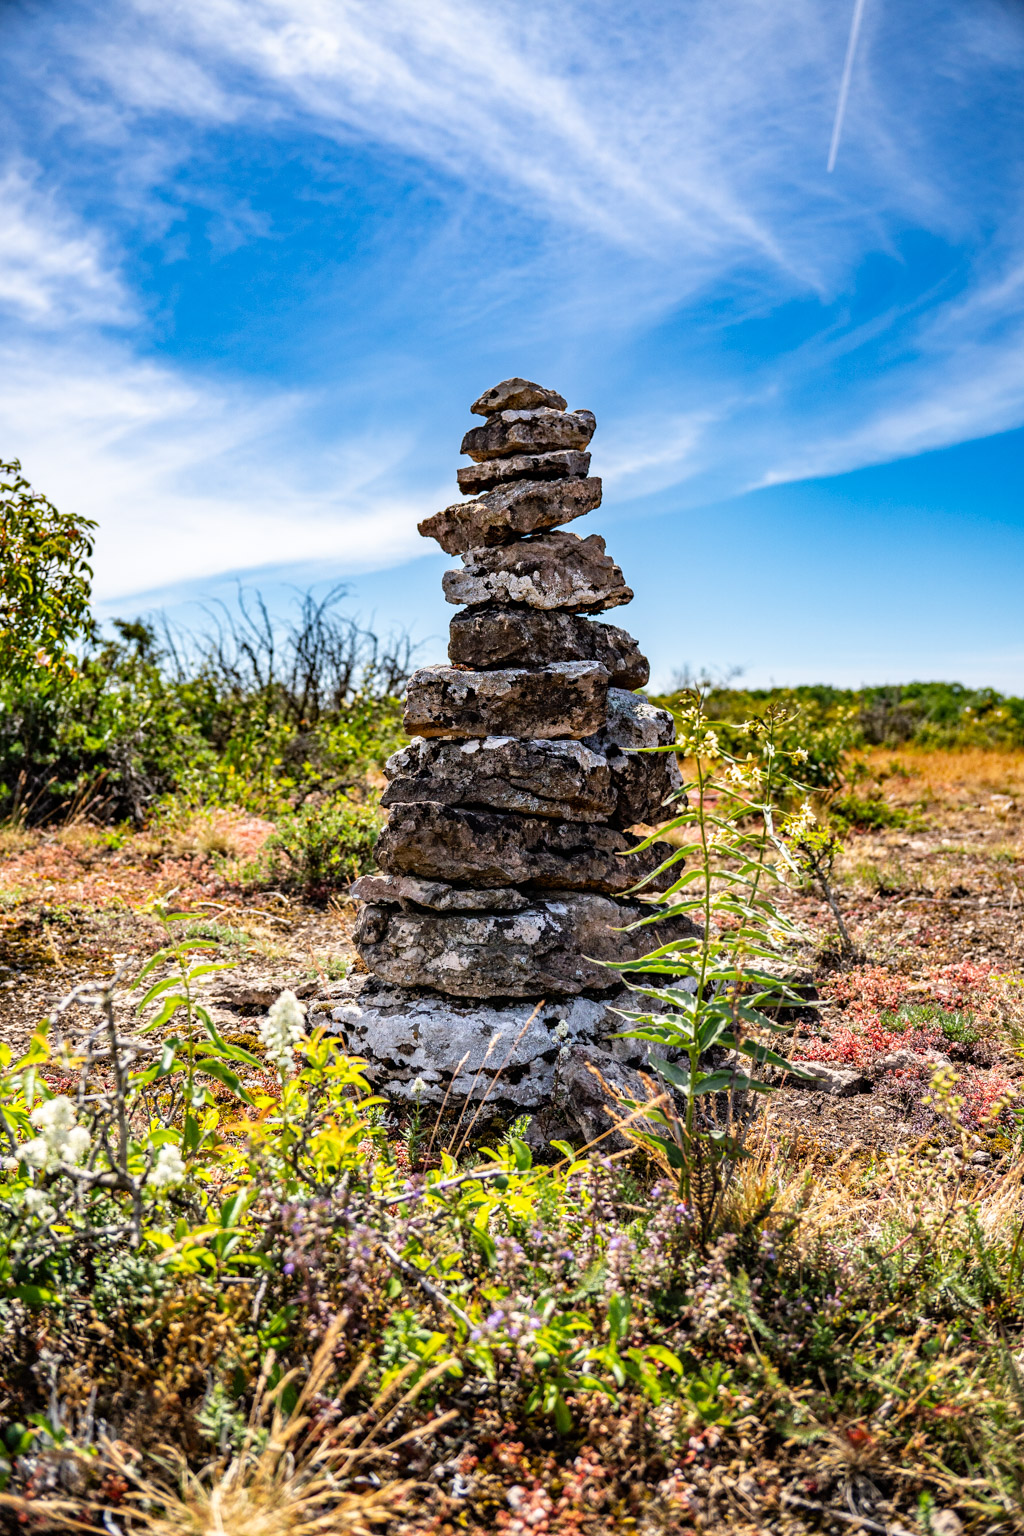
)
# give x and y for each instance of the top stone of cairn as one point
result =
(516, 395)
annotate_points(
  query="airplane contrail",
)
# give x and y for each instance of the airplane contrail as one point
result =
(844, 87)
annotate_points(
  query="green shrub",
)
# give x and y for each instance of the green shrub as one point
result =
(829, 721)
(262, 721)
(957, 1025)
(819, 722)
(323, 846)
(868, 814)
(45, 580)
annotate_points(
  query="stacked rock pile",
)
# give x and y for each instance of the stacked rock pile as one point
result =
(503, 878)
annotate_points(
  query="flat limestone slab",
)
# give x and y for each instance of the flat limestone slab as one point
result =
(541, 430)
(455, 1046)
(550, 948)
(482, 847)
(516, 395)
(500, 635)
(563, 464)
(511, 512)
(555, 570)
(566, 698)
(560, 779)
(407, 892)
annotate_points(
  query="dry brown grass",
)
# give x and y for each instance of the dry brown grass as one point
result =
(959, 777)
(14, 840)
(292, 1475)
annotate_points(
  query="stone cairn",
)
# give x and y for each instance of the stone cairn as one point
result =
(502, 877)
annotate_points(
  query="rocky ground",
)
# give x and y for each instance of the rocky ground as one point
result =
(935, 906)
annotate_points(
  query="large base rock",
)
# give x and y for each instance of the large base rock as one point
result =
(455, 844)
(554, 946)
(507, 636)
(540, 430)
(563, 779)
(445, 1044)
(511, 512)
(567, 698)
(554, 570)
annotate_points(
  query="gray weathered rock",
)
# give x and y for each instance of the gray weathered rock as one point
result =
(561, 779)
(551, 948)
(516, 395)
(823, 1077)
(501, 635)
(407, 892)
(643, 783)
(919, 1062)
(255, 994)
(798, 982)
(566, 698)
(412, 1036)
(564, 464)
(539, 431)
(589, 1091)
(634, 722)
(511, 512)
(555, 570)
(484, 847)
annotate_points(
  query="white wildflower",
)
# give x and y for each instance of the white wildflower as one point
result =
(804, 822)
(734, 773)
(709, 746)
(419, 1088)
(36, 1203)
(168, 1170)
(281, 1031)
(561, 1029)
(800, 755)
(61, 1138)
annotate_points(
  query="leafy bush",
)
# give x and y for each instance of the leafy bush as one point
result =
(247, 717)
(45, 579)
(713, 996)
(323, 846)
(828, 721)
(868, 813)
(818, 722)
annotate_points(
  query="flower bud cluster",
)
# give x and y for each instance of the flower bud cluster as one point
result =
(169, 1169)
(61, 1139)
(281, 1031)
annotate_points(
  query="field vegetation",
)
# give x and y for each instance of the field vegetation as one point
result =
(241, 1292)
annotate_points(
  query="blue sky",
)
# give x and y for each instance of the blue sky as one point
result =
(257, 257)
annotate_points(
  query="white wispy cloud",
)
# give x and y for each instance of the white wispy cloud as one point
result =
(669, 134)
(670, 154)
(53, 270)
(187, 479)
